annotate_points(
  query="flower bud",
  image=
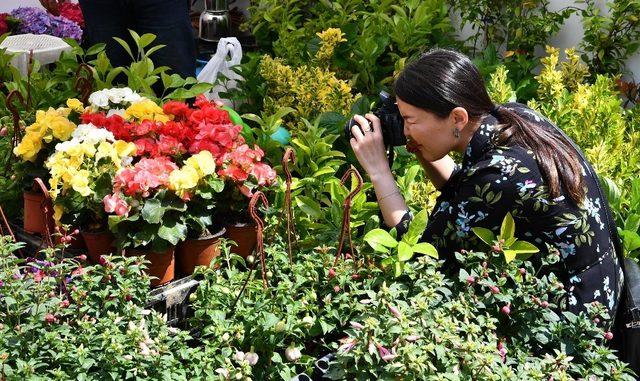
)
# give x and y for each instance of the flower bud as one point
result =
(82, 257)
(544, 304)
(64, 304)
(332, 273)
(471, 279)
(336, 288)
(608, 335)
(280, 326)
(251, 358)
(292, 353)
(356, 325)
(495, 290)
(4, 131)
(50, 318)
(506, 310)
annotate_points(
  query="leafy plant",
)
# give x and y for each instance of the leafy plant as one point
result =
(506, 242)
(404, 249)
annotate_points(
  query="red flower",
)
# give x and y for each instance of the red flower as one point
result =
(4, 25)
(72, 12)
(179, 110)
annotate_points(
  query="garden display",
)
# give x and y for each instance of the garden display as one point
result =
(255, 223)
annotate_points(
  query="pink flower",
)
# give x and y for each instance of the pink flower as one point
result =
(38, 276)
(502, 350)
(114, 204)
(347, 344)
(412, 338)
(356, 325)
(395, 311)
(385, 354)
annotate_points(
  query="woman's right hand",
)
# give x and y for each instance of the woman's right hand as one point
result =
(368, 145)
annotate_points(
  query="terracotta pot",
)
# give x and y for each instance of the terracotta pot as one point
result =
(245, 236)
(162, 265)
(33, 217)
(198, 252)
(98, 243)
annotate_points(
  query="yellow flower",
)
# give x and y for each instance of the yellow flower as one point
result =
(29, 147)
(80, 182)
(145, 109)
(75, 105)
(203, 162)
(58, 211)
(183, 179)
(123, 148)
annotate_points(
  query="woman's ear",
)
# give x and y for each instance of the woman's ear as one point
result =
(459, 118)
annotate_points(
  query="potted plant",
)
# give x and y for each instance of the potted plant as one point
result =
(51, 126)
(147, 218)
(81, 174)
(197, 183)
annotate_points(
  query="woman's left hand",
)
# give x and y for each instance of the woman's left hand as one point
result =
(368, 145)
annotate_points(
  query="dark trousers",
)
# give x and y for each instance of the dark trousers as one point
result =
(167, 19)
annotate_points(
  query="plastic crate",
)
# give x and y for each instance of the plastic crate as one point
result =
(172, 300)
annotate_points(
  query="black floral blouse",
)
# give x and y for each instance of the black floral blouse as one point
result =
(494, 180)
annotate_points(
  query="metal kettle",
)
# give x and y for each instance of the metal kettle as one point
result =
(214, 20)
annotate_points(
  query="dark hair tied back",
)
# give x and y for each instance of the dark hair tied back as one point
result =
(441, 80)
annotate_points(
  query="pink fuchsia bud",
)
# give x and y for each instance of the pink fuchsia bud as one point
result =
(336, 288)
(356, 325)
(412, 338)
(371, 347)
(506, 309)
(544, 304)
(495, 290)
(608, 335)
(4, 131)
(50, 318)
(128, 298)
(395, 311)
(347, 256)
(522, 270)
(103, 261)
(471, 279)
(496, 248)
(332, 273)
(82, 257)
(64, 304)
(239, 356)
(355, 276)
(76, 232)
(384, 353)
(347, 344)
(596, 320)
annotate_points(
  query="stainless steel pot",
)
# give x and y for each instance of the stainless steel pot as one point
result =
(213, 25)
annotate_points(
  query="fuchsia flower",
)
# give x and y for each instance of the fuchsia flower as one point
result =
(385, 354)
(502, 350)
(395, 311)
(356, 325)
(347, 344)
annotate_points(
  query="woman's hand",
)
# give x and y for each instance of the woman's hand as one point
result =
(369, 146)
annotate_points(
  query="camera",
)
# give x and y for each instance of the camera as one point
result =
(391, 122)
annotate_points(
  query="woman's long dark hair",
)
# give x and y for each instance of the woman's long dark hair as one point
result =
(441, 80)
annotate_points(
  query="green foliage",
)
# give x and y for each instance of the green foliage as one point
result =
(506, 242)
(379, 34)
(610, 37)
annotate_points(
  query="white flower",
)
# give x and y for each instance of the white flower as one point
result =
(99, 99)
(65, 146)
(91, 134)
(116, 111)
(292, 353)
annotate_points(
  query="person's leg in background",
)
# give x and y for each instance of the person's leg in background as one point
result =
(105, 19)
(169, 21)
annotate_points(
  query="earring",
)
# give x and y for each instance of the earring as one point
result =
(456, 133)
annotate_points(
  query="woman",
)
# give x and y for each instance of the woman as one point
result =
(514, 161)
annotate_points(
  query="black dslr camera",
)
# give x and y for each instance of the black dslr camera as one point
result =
(390, 120)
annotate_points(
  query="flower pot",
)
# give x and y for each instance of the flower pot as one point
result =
(98, 243)
(33, 216)
(162, 265)
(198, 252)
(245, 236)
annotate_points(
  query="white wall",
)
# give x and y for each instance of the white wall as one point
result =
(8, 5)
(569, 35)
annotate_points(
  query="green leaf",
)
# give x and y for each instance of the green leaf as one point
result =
(152, 211)
(404, 252)
(173, 232)
(146, 39)
(509, 255)
(524, 247)
(416, 228)
(485, 235)
(398, 267)
(630, 240)
(126, 47)
(426, 248)
(377, 237)
(508, 228)
(309, 206)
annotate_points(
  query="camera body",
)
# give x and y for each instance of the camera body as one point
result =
(391, 122)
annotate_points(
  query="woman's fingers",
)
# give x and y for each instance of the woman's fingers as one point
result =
(360, 129)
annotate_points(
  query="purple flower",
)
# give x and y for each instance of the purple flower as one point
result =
(37, 21)
(17, 276)
(1, 283)
(347, 344)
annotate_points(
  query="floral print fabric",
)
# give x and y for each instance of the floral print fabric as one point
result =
(494, 180)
